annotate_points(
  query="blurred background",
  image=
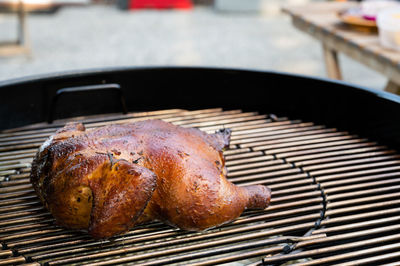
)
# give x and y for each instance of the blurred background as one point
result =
(84, 34)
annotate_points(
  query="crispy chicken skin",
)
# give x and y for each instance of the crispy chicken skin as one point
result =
(109, 179)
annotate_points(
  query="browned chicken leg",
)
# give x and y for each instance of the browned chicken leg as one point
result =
(107, 180)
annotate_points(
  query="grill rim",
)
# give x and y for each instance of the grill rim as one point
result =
(108, 70)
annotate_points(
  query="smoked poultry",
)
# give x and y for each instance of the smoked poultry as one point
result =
(108, 179)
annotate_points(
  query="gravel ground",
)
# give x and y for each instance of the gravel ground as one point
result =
(102, 36)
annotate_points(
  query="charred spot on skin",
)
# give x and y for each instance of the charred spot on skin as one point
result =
(116, 152)
(195, 186)
(137, 160)
(133, 172)
(182, 154)
(78, 199)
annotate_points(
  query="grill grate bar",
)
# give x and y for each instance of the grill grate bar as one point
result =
(336, 248)
(360, 179)
(375, 259)
(353, 167)
(363, 185)
(256, 124)
(261, 161)
(18, 207)
(12, 260)
(275, 170)
(349, 160)
(355, 217)
(19, 193)
(331, 154)
(358, 173)
(14, 182)
(246, 158)
(381, 206)
(364, 252)
(353, 225)
(270, 128)
(292, 130)
(44, 224)
(311, 148)
(260, 179)
(281, 142)
(335, 206)
(298, 133)
(5, 253)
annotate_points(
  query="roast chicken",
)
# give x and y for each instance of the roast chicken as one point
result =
(107, 180)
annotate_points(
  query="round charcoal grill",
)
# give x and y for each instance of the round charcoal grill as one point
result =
(328, 151)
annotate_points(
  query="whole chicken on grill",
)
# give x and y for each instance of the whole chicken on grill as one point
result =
(109, 179)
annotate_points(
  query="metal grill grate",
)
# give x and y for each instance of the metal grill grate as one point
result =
(335, 199)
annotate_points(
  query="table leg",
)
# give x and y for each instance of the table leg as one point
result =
(23, 39)
(331, 63)
(392, 87)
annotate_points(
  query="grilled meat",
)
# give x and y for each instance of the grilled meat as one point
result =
(109, 179)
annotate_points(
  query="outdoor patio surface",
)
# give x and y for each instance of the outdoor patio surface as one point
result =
(103, 36)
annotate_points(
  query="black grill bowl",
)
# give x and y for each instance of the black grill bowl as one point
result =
(375, 114)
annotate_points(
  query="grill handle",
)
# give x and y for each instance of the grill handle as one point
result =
(63, 91)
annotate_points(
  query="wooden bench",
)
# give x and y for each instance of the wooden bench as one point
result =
(21, 8)
(22, 44)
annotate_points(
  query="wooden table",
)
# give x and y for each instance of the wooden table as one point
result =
(321, 21)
